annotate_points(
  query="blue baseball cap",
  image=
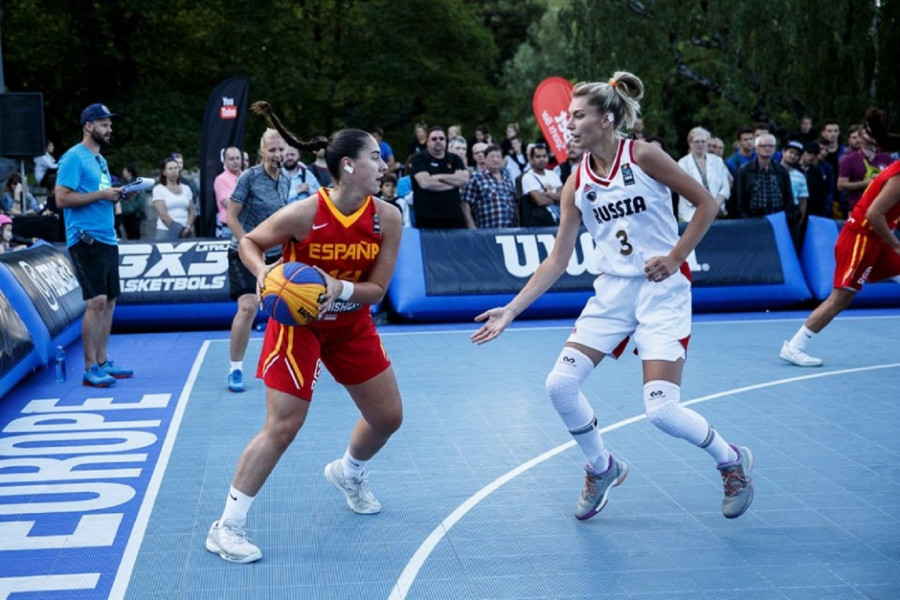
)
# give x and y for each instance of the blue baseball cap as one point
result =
(95, 112)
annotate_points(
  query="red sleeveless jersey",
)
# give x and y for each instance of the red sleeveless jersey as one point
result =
(344, 246)
(858, 214)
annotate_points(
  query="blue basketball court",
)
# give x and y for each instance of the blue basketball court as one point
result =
(110, 493)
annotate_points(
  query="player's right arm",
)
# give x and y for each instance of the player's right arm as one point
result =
(497, 319)
(292, 222)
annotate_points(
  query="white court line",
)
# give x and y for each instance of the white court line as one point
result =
(408, 576)
(123, 575)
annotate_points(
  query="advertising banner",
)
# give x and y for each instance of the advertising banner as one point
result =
(174, 272)
(550, 104)
(502, 260)
(223, 126)
(46, 275)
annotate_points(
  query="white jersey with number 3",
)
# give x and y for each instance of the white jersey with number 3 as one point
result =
(629, 214)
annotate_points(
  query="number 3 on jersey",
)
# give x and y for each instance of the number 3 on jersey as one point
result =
(627, 248)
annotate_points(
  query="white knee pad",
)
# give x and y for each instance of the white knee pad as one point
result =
(661, 400)
(564, 388)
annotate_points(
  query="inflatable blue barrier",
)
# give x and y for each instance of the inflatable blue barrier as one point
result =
(817, 257)
(455, 275)
(41, 309)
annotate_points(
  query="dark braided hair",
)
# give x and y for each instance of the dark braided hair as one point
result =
(345, 142)
(877, 125)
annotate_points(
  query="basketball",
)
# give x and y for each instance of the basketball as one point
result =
(291, 293)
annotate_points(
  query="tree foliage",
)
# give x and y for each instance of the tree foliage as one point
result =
(326, 64)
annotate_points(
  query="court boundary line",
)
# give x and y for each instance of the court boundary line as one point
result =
(524, 325)
(408, 576)
(136, 539)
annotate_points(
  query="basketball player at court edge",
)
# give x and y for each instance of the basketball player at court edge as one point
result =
(620, 191)
(353, 239)
(866, 249)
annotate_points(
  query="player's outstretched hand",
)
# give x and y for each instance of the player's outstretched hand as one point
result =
(496, 321)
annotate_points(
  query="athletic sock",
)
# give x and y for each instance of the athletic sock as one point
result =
(718, 448)
(237, 505)
(801, 338)
(591, 443)
(236, 365)
(352, 467)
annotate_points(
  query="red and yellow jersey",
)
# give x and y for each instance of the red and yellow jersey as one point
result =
(858, 214)
(344, 246)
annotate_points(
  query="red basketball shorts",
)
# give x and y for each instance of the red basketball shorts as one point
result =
(350, 349)
(861, 257)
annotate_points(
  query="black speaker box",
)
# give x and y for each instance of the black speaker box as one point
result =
(22, 124)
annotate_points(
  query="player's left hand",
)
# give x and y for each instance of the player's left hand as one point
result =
(496, 321)
(658, 268)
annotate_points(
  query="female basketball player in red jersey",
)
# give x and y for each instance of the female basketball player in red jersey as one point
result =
(866, 249)
(620, 192)
(353, 238)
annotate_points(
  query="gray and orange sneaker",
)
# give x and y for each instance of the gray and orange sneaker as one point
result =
(737, 483)
(596, 487)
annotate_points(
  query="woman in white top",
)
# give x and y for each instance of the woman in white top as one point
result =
(620, 194)
(707, 169)
(174, 203)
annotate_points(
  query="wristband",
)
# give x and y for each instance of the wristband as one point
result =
(346, 291)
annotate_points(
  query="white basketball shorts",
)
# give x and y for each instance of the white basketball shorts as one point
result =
(656, 314)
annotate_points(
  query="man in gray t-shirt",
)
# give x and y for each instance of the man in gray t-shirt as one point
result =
(259, 193)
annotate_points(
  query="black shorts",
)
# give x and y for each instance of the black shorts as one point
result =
(96, 268)
(240, 280)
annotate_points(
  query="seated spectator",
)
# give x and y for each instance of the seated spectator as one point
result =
(10, 241)
(516, 161)
(490, 195)
(173, 202)
(43, 165)
(12, 198)
(512, 131)
(716, 146)
(573, 157)
(541, 189)
(763, 186)
(857, 168)
(707, 169)
(744, 152)
(460, 147)
(387, 153)
(388, 192)
(319, 168)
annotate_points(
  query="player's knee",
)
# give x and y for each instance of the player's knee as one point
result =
(661, 402)
(563, 383)
(281, 433)
(563, 392)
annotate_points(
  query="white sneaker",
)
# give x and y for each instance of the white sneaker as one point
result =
(359, 497)
(798, 357)
(231, 543)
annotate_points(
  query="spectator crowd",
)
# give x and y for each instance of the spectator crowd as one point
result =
(449, 181)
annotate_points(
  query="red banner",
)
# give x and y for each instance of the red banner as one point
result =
(550, 104)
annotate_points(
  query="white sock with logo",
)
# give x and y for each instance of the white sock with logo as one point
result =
(236, 365)
(237, 505)
(353, 467)
(801, 338)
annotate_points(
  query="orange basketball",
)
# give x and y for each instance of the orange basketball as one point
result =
(291, 293)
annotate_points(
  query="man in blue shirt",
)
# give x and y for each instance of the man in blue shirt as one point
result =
(84, 191)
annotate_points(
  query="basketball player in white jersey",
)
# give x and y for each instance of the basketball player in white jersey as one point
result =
(620, 192)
